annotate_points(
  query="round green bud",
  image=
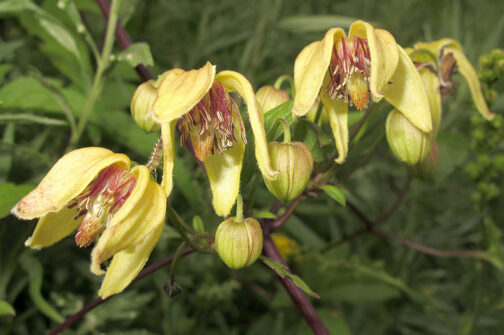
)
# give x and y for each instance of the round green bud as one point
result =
(269, 97)
(424, 168)
(294, 162)
(239, 242)
(141, 106)
(408, 143)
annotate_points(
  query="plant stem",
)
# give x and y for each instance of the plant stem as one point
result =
(98, 79)
(297, 295)
(239, 208)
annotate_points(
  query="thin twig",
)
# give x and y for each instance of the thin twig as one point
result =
(297, 295)
(124, 40)
(95, 303)
(279, 221)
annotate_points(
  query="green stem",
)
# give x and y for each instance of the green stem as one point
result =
(239, 208)
(287, 133)
(98, 79)
(280, 81)
(176, 257)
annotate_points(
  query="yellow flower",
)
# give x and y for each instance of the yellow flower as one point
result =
(345, 70)
(198, 104)
(448, 58)
(94, 191)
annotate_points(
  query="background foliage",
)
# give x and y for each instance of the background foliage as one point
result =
(368, 285)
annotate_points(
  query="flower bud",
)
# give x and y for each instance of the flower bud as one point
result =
(424, 168)
(239, 242)
(269, 97)
(141, 106)
(408, 143)
(294, 162)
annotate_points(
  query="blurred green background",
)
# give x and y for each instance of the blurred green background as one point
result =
(368, 285)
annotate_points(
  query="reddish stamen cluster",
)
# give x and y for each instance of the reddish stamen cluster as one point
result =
(350, 60)
(209, 125)
(100, 200)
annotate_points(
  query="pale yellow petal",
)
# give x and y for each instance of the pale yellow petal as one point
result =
(167, 135)
(383, 53)
(66, 179)
(234, 81)
(310, 68)
(431, 84)
(180, 90)
(143, 211)
(224, 174)
(406, 93)
(127, 263)
(337, 110)
(436, 46)
(466, 69)
(53, 227)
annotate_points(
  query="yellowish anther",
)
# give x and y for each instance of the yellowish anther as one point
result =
(358, 90)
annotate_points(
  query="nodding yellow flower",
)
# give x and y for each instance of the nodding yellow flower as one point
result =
(342, 71)
(197, 103)
(97, 192)
(449, 58)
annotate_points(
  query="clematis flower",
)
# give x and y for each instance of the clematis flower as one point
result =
(96, 192)
(448, 58)
(342, 71)
(197, 103)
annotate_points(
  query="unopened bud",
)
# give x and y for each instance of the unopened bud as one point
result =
(239, 242)
(408, 143)
(424, 168)
(141, 106)
(269, 97)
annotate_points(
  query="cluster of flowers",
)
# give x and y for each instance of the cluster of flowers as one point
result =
(122, 209)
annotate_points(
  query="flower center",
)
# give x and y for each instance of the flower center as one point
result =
(349, 70)
(100, 200)
(209, 126)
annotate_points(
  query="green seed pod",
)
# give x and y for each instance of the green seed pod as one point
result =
(424, 168)
(408, 143)
(269, 97)
(294, 162)
(141, 106)
(239, 242)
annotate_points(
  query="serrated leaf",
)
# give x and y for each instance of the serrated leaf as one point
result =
(35, 274)
(137, 53)
(6, 308)
(335, 193)
(282, 271)
(10, 194)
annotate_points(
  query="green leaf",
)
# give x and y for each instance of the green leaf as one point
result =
(137, 53)
(35, 273)
(335, 193)
(303, 233)
(4, 69)
(28, 93)
(7, 49)
(264, 215)
(31, 118)
(453, 150)
(314, 23)
(6, 308)
(273, 128)
(10, 194)
(6, 155)
(283, 272)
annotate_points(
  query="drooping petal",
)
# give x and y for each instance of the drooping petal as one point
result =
(337, 110)
(66, 179)
(143, 212)
(436, 46)
(53, 227)
(431, 84)
(180, 90)
(310, 68)
(224, 174)
(383, 53)
(234, 81)
(127, 263)
(167, 135)
(407, 94)
(466, 69)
